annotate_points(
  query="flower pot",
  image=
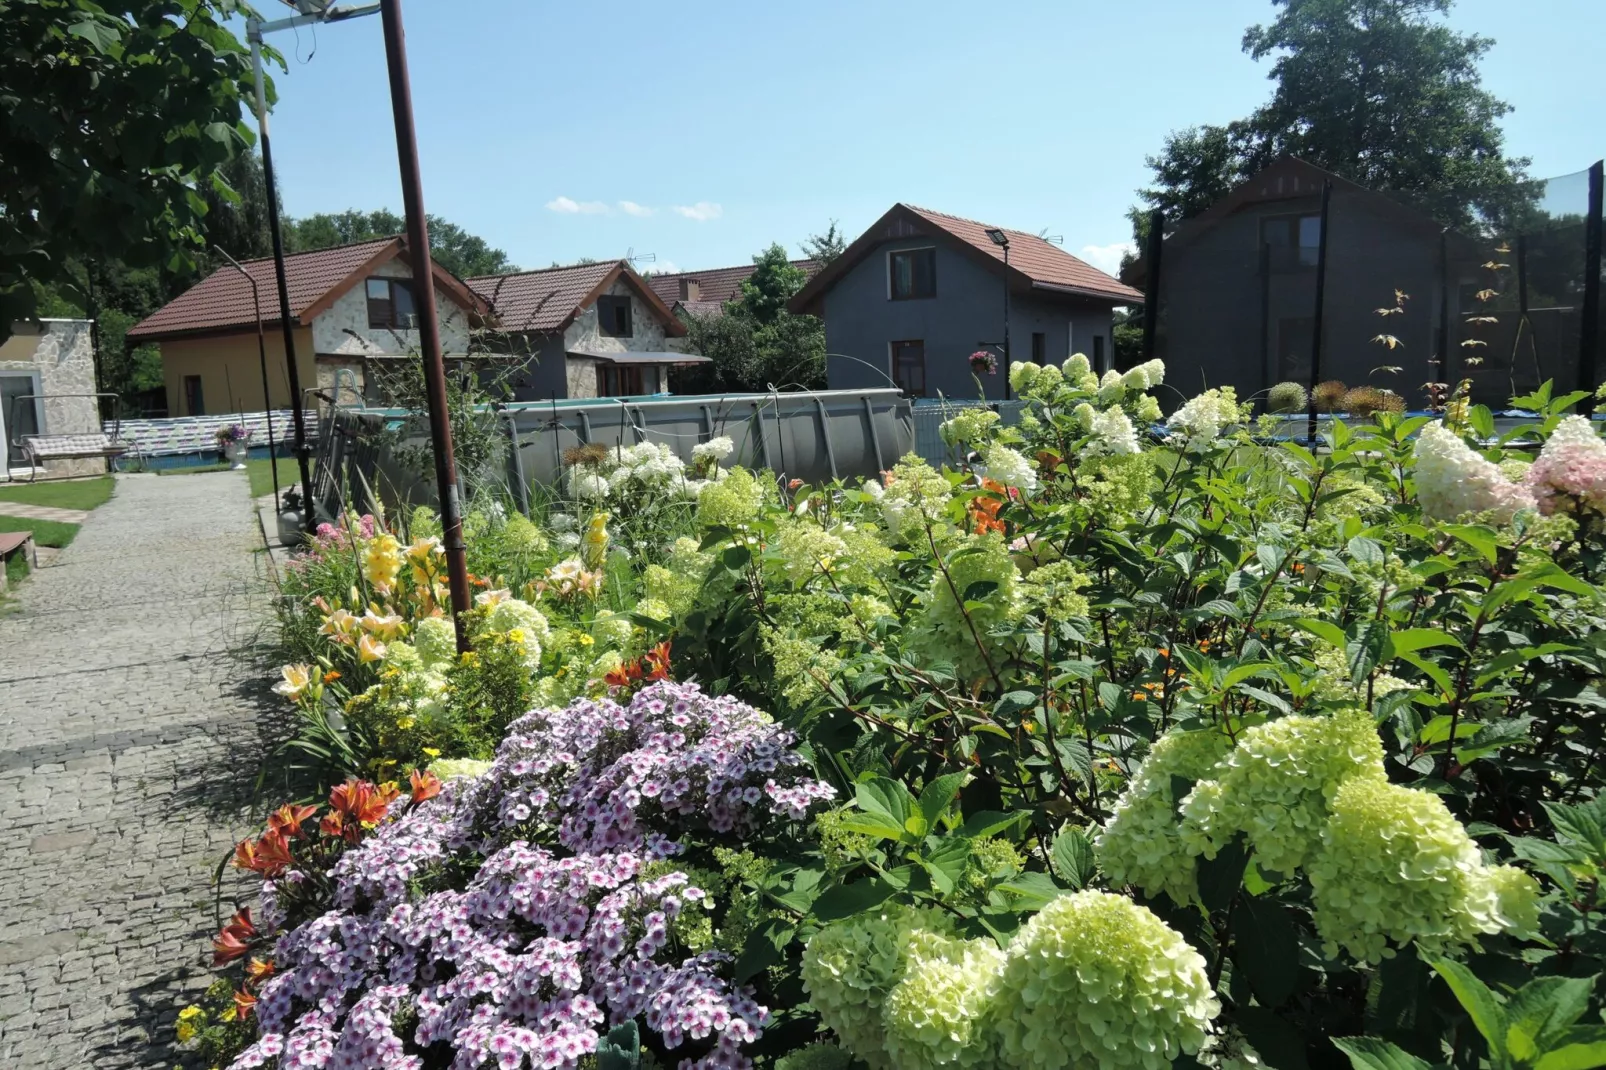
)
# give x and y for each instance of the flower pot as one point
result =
(236, 452)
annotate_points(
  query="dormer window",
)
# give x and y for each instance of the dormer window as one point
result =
(613, 315)
(390, 305)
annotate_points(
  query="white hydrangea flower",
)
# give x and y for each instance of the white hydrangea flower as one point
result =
(715, 449)
(1452, 480)
(1136, 379)
(1111, 388)
(1076, 366)
(1010, 467)
(1204, 417)
(1113, 434)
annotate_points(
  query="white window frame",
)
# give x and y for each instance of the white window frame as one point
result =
(38, 408)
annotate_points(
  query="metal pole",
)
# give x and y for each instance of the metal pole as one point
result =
(254, 34)
(1445, 286)
(1006, 322)
(429, 331)
(262, 358)
(1151, 292)
(1321, 294)
(1589, 329)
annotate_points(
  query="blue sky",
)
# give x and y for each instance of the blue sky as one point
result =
(701, 132)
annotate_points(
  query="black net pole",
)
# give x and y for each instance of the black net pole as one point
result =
(1316, 324)
(1589, 329)
(1151, 285)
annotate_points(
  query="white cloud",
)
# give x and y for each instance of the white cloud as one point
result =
(702, 211)
(632, 208)
(1107, 258)
(570, 206)
(661, 267)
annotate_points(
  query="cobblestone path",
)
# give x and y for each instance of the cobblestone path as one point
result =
(128, 742)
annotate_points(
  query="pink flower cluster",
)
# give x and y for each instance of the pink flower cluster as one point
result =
(453, 933)
(1453, 480)
(1569, 475)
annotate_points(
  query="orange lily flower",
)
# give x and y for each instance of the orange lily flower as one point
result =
(245, 855)
(287, 819)
(244, 1003)
(332, 824)
(259, 970)
(234, 939)
(364, 803)
(272, 854)
(657, 662)
(426, 785)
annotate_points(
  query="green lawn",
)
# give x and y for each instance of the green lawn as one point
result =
(258, 469)
(45, 532)
(69, 494)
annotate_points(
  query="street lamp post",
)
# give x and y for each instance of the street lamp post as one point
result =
(262, 357)
(1001, 239)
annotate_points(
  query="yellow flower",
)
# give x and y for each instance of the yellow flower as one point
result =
(586, 640)
(383, 625)
(370, 649)
(516, 635)
(381, 561)
(228, 1013)
(594, 543)
(297, 678)
(405, 723)
(186, 1032)
(431, 752)
(341, 626)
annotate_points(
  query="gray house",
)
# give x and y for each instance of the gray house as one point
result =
(593, 330)
(920, 291)
(1236, 293)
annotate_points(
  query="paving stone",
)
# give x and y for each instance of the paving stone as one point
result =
(130, 713)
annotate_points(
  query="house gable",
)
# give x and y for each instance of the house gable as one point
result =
(341, 327)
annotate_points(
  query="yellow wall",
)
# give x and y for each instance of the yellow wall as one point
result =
(231, 373)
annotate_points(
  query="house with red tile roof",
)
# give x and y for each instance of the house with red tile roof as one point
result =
(583, 331)
(350, 306)
(706, 292)
(916, 294)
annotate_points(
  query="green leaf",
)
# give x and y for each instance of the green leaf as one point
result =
(1584, 1049)
(1013, 702)
(1542, 1010)
(985, 823)
(1324, 630)
(979, 590)
(846, 900)
(1480, 538)
(736, 558)
(935, 796)
(1366, 551)
(1375, 1053)
(764, 947)
(621, 1048)
(100, 36)
(1072, 858)
(1432, 671)
(1584, 824)
(947, 863)
(1410, 640)
(1267, 949)
(1367, 650)
(887, 803)
(1221, 877)
(1279, 1041)
(1032, 891)
(1478, 1001)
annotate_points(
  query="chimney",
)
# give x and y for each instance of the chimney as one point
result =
(688, 289)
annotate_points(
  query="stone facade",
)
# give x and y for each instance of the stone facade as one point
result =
(61, 354)
(342, 328)
(342, 379)
(647, 333)
(582, 377)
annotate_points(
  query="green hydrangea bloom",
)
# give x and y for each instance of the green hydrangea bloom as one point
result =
(516, 613)
(523, 537)
(614, 630)
(404, 657)
(731, 502)
(804, 550)
(1053, 589)
(1141, 844)
(915, 493)
(815, 1057)
(1333, 682)
(937, 1014)
(942, 630)
(456, 768)
(1277, 784)
(424, 524)
(436, 641)
(968, 425)
(1115, 486)
(991, 860)
(1395, 865)
(839, 846)
(1077, 365)
(793, 659)
(655, 608)
(850, 966)
(1094, 980)
(1147, 409)
(1023, 375)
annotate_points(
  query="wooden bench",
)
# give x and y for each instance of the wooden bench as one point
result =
(13, 543)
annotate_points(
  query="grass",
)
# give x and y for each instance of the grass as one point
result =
(45, 532)
(258, 469)
(69, 494)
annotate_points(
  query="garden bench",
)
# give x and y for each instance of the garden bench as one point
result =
(13, 543)
(38, 448)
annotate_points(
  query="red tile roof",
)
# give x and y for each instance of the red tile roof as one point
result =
(715, 285)
(548, 301)
(222, 300)
(1033, 262)
(1043, 262)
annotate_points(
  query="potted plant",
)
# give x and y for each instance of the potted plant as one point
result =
(234, 440)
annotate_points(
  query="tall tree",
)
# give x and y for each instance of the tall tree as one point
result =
(771, 285)
(112, 116)
(453, 248)
(754, 342)
(1382, 92)
(825, 247)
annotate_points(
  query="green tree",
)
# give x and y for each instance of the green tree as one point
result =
(453, 248)
(771, 285)
(825, 247)
(1381, 92)
(114, 118)
(754, 342)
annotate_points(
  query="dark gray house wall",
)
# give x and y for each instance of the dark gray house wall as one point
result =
(966, 314)
(544, 375)
(1234, 314)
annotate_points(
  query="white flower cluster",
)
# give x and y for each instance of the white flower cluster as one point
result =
(1112, 434)
(1204, 417)
(715, 449)
(1009, 467)
(630, 475)
(1452, 480)
(1092, 980)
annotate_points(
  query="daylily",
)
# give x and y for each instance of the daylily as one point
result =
(233, 940)
(370, 649)
(426, 785)
(493, 598)
(362, 802)
(297, 678)
(382, 625)
(272, 854)
(243, 1003)
(341, 626)
(259, 970)
(287, 819)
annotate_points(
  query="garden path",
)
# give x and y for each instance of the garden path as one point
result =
(129, 704)
(43, 512)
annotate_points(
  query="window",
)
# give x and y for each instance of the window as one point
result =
(194, 402)
(20, 412)
(1295, 240)
(1039, 347)
(613, 315)
(619, 380)
(1098, 354)
(914, 274)
(1296, 336)
(390, 305)
(909, 367)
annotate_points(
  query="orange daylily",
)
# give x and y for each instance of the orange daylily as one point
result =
(332, 824)
(258, 970)
(657, 662)
(287, 819)
(426, 785)
(244, 1002)
(363, 802)
(272, 853)
(234, 939)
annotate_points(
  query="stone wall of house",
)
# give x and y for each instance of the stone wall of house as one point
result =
(342, 328)
(582, 375)
(343, 379)
(647, 333)
(62, 354)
